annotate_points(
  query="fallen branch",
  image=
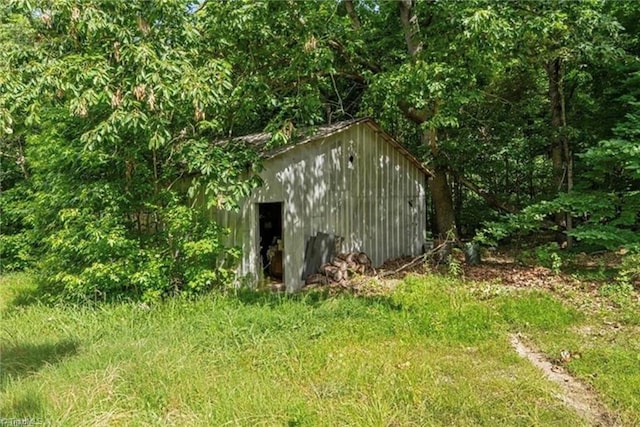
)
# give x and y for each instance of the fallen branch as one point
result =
(415, 260)
(407, 265)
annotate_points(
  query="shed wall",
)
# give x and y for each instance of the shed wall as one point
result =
(353, 184)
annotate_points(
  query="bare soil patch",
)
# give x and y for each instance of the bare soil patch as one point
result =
(574, 394)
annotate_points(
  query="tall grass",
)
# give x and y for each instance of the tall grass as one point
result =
(428, 354)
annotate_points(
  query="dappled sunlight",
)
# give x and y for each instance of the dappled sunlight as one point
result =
(354, 184)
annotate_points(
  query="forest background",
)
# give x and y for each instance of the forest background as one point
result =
(527, 113)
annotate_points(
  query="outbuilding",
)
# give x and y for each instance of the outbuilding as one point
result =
(349, 180)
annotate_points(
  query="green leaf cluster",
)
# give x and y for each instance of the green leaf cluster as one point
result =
(115, 105)
(109, 111)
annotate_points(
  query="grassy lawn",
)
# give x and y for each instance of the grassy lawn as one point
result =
(434, 352)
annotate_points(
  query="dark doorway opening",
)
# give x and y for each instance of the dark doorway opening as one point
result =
(271, 242)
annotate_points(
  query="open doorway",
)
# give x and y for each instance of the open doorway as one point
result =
(271, 241)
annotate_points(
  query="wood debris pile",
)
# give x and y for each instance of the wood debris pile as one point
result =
(342, 267)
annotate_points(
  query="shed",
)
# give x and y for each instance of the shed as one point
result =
(350, 180)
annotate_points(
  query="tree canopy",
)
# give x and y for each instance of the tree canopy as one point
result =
(525, 112)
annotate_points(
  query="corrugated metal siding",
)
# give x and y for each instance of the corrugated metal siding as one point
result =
(366, 201)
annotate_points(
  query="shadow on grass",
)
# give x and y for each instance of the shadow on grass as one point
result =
(312, 298)
(26, 297)
(272, 299)
(22, 360)
(21, 290)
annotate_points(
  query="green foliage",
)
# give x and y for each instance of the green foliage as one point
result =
(223, 173)
(529, 219)
(108, 111)
(547, 256)
(627, 279)
(630, 269)
(114, 106)
(93, 257)
(618, 290)
(454, 268)
(607, 219)
(605, 201)
(18, 242)
(605, 204)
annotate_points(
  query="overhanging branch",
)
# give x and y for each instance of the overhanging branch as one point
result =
(339, 47)
(416, 116)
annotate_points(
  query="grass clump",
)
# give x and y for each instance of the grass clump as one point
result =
(445, 311)
(536, 311)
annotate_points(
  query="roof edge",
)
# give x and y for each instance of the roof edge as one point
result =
(315, 136)
(324, 131)
(391, 140)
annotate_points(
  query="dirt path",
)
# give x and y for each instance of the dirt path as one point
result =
(575, 394)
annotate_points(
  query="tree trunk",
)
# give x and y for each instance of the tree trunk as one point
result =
(441, 191)
(458, 202)
(569, 218)
(410, 26)
(438, 184)
(441, 194)
(568, 159)
(353, 16)
(554, 74)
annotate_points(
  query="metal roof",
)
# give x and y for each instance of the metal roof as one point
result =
(260, 140)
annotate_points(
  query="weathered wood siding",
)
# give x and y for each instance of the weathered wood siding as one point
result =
(353, 184)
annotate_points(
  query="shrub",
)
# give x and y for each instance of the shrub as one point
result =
(94, 257)
(629, 272)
